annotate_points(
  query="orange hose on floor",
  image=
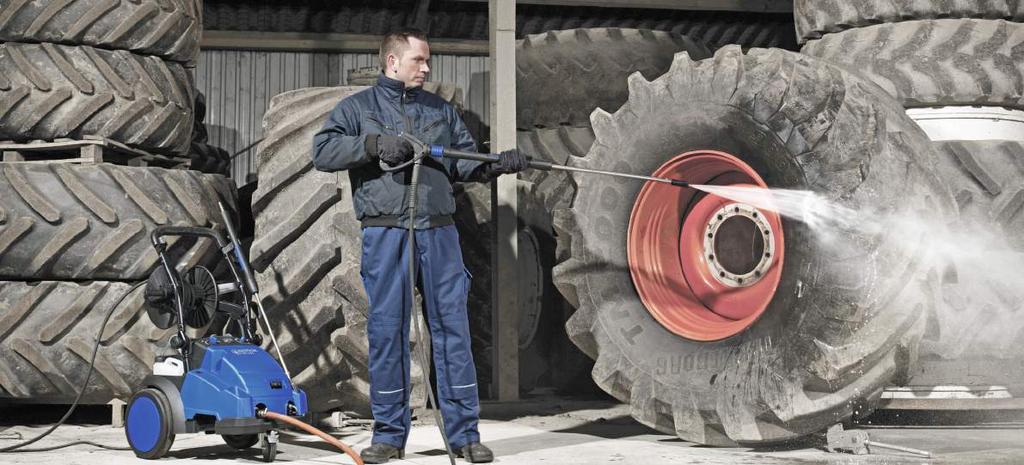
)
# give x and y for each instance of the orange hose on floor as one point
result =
(311, 430)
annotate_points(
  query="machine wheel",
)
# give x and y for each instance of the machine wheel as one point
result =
(148, 424)
(268, 448)
(92, 221)
(935, 62)
(785, 360)
(241, 441)
(55, 91)
(168, 29)
(561, 76)
(815, 18)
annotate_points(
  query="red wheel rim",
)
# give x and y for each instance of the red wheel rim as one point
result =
(674, 235)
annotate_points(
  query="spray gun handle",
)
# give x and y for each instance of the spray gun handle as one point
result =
(438, 151)
(250, 281)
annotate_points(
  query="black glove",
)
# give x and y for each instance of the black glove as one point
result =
(511, 161)
(393, 150)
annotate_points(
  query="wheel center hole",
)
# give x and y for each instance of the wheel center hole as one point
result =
(739, 245)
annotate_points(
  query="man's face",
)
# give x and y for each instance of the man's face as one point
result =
(412, 65)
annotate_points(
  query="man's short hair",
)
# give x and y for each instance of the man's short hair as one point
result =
(395, 42)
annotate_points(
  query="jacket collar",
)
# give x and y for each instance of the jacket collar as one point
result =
(394, 88)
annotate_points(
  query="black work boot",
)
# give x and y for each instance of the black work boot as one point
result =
(381, 453)
(475, 452)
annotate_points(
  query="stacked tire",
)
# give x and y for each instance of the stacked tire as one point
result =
(84, 68)
(74, 239)
(943, 61)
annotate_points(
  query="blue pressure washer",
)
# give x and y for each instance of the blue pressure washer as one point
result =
(225, 384)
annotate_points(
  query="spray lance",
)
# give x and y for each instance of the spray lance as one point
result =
(437, 151)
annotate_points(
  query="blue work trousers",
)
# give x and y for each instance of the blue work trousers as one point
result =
(444, 284)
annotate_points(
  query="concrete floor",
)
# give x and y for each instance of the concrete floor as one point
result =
(556, 431)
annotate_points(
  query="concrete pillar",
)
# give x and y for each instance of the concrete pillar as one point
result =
(504, 202)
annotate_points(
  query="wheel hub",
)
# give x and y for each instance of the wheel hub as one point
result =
(737, 245)
(705, 267)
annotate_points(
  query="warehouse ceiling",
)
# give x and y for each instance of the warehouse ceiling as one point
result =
(468, 19)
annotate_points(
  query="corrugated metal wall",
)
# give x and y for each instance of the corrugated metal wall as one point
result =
(239, 85)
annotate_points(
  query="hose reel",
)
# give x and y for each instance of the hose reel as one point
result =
(199, 292)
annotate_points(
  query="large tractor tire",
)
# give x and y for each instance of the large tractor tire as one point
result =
(47, 333)
(306, 253)
(957, 62)
(719, 29)
(546, 358)
(169, 29)
(815, 18)
(541, 310)
(56, 91)
(85, 222)
(987, 181)
(543, 193)
(555, 145)
(562, 75)
(935, 62)
(817, 336)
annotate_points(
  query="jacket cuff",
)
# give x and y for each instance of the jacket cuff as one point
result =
(371, 146)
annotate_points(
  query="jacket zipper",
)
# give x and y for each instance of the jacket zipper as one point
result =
(405, 117)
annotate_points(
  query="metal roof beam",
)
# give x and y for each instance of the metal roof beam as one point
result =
(320, 42)
(754, 6)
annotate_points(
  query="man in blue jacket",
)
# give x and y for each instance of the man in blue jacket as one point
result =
(361, 132)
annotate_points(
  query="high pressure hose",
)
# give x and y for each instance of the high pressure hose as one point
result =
(411, 197)
(274, 416)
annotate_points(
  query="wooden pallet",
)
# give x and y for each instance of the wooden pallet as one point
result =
(91, 149)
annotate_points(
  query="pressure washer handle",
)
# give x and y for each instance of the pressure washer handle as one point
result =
(239, 256)
(438, 151)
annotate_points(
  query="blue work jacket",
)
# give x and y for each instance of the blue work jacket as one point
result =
(379, 197)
